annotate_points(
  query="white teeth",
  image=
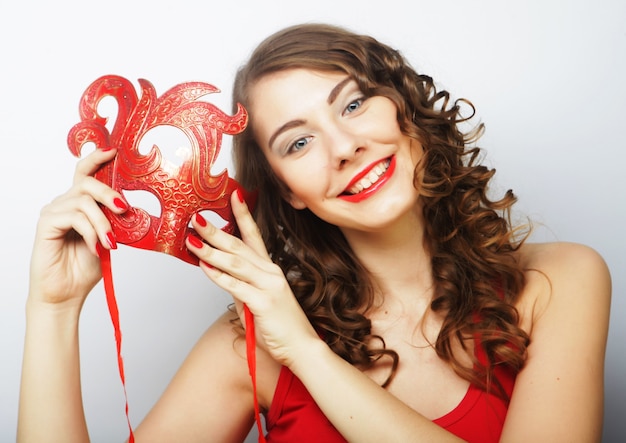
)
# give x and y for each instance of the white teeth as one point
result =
(370, 178)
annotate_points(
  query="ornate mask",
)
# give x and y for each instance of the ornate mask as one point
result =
(182, 190)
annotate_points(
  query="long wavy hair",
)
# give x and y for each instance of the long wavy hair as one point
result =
(469, 236)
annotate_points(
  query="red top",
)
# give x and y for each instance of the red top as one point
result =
(294, 417)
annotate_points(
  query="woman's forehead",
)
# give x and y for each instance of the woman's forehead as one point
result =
(298, 79)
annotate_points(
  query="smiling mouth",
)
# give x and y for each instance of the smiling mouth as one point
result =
(370, 179)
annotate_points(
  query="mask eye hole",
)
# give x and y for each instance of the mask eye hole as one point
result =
(143, 200)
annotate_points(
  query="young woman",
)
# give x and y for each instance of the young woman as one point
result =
(393, 299)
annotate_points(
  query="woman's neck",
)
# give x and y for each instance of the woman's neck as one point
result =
(397, 259)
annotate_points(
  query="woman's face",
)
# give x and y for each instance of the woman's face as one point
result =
(340, 154)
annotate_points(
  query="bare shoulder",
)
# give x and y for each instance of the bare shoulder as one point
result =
(557, 254)
(225, 338)
(568, 275)
(564, 307)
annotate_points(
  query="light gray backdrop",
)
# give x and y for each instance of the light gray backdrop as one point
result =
(547, 77)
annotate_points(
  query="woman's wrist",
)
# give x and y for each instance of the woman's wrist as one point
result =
(64, 312)
(309, 355)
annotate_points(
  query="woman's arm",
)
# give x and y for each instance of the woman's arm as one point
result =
(211, 395)
(558, 396)
(64, 268)
(359, 408)
(51, 407)
(209, 398)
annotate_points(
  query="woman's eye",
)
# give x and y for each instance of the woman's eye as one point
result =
(299, 144)
(354, 105)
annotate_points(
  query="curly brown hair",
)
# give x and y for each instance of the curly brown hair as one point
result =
(470, 237)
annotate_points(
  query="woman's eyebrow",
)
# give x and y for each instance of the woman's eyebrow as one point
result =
(289, 125)
(337, 89)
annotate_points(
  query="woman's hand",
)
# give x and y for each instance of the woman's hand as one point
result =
(71, 229)
(244, 269)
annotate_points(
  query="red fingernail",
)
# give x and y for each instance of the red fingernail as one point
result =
(208, 265)
(119, 203)
(106, 148)
(195, 241)
(200, 219)
(240, 194)
(111, 240)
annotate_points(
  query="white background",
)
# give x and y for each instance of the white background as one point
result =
(547, 78)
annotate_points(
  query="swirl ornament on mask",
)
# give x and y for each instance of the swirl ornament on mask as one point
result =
(182, 190)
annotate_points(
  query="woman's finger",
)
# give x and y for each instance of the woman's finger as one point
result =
(88, 165)
(248, 228)
(99, 192)
(85, 183)
(80, 213)
(232, 259)
(224, 250)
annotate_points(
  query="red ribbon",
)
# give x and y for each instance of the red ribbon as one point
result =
(251, 355)
(105, 263)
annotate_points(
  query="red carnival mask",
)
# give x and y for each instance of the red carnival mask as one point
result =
(181, 190)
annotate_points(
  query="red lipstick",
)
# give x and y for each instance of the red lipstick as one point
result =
(366, 193)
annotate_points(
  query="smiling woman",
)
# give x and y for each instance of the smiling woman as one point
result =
(393, 299)
(424, 243)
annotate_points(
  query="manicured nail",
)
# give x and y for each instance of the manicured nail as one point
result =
(195, 241)
(119, 203)
(106, 148)
(200, 220)
(208, 265)
(111, 240)
(240, 194)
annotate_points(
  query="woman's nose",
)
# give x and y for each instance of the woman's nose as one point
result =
(344, 147)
